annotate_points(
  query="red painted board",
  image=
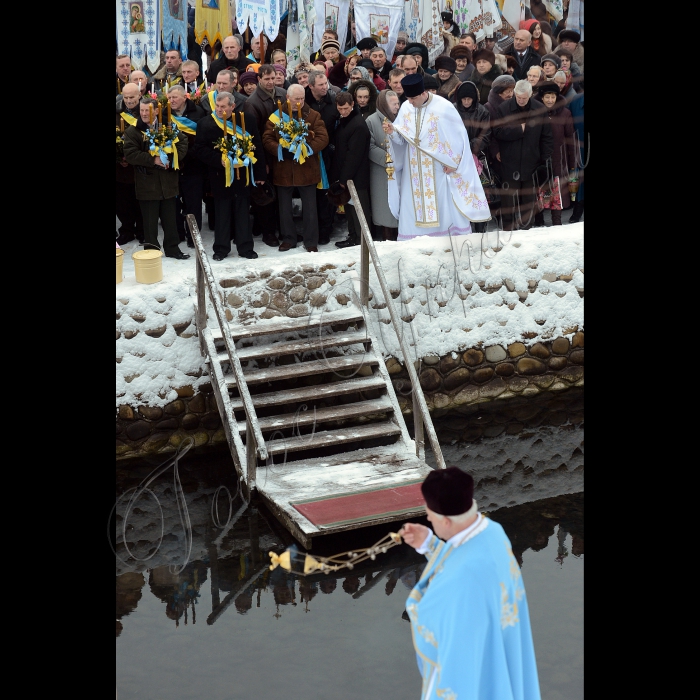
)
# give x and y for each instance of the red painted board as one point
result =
(361, 505)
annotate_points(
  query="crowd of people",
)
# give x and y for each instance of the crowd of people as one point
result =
(519, 100)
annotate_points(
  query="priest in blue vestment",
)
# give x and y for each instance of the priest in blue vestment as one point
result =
(468, 612)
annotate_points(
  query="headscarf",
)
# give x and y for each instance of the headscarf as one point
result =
(383, 106)
(363, 71)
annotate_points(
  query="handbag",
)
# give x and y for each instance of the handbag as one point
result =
(489, 183)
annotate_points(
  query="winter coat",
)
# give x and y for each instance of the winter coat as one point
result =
(466, 73)
(522, 151)
(222, 63)
(483, 82)
(160, 75)
(208, 132)
(449, 40)
(152, 181)
(371, 107)
(492, 105)
(351, 157)
(191, 165)
(445, 89)
(531, 58)
(125, 175)
(379, 187)
(477, 122)
(337, 75)
(578, 55)
(262, 105)
(326, 108)
(564, 156)
(287, 172)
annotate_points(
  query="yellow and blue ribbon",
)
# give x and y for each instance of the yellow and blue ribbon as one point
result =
(185, 124)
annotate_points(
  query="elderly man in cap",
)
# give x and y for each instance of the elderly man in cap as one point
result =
(436, 190)
(468, 611)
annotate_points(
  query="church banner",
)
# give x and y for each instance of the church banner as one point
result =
(259, 16)
(380, 20)
(513, 12)
(302, 14)
(478, 16)
(331, 14)
(174, 20)
(422, 23)
(138, 35)
(212, 21)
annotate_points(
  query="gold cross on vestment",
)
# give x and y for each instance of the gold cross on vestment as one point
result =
(429, 193)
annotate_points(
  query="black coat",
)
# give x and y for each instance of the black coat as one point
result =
(351, 158)
(477, 122)
(532, 58)
(208, 132)
(326, 108)
(484, 81)
(522, 151)
(191, 163)
(222, 63)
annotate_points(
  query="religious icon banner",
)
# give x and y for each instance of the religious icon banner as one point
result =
(302, 15)
(138, 35)
(259, 16)
(481, 17)
(331, 14)
(174, 19)
(379, 20)
(212, 21)
(422, 22)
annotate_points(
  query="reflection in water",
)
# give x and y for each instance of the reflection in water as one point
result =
(531, 483)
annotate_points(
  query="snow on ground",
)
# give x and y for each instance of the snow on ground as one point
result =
(444, 288)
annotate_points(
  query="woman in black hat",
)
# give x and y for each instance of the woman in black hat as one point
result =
(450, 32)
(446, 78)
(554, 194)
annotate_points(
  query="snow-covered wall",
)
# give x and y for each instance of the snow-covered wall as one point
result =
(483, 324)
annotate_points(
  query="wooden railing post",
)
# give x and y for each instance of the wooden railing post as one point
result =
(364, 272)
(201, 320)
(251, 454)
(418, 428)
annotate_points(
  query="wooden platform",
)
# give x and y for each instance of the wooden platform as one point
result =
(369, 471)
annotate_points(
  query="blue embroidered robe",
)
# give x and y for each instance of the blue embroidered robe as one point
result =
(470, 621)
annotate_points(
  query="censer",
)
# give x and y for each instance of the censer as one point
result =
(389, 163)
(301, 563)
(573, 184)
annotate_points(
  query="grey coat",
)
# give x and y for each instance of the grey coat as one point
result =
(379, 188)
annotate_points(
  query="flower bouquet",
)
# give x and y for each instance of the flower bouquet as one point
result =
(291, 133)
(199, 94)
(163, 139)
(237, 149)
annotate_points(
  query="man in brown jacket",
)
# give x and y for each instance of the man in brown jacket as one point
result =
(288, 173)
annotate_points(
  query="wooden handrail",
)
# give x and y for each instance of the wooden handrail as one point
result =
(207, 276)
(419, 404)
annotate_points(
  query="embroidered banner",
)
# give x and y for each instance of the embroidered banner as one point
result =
(138, 35)
(422, 22)
(379, 19)
(212, 21)
(331, 14)
(302, 15)
(556, 9)
(513, 12)
(259, 16)
(174, 22)
(482, 17)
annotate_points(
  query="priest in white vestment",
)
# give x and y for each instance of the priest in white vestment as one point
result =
(436, 190)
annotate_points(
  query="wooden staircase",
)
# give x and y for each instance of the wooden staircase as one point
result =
(310, 414)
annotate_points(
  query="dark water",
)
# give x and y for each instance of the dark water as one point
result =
(204, 617)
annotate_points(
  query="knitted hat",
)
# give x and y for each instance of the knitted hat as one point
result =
(467, 89)
(484, 54)
(429, 82)
(280, 69)
(330, 44)
(502, 83)
(366, 43)
(552, 58)
(460, 51)
(412, 85)
(403, 36)
(445, 63)
(248, 77)
(448, 491)
(570, 34)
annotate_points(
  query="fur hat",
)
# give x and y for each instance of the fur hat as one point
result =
(412, 85)
(366, 43)
(330, 44)
(448, 491)
(485, 55)
(570, 34)
(446, 16)
(445, 63)
(548, 86)
(460, 51)
(552, 58)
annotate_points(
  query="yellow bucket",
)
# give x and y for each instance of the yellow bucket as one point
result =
(120, 264)
(148, 266)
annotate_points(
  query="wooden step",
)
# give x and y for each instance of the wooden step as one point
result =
(283, 324)
(326, 438)
(304, 369)
(312, 393)
(322, 415)
(313, 344)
